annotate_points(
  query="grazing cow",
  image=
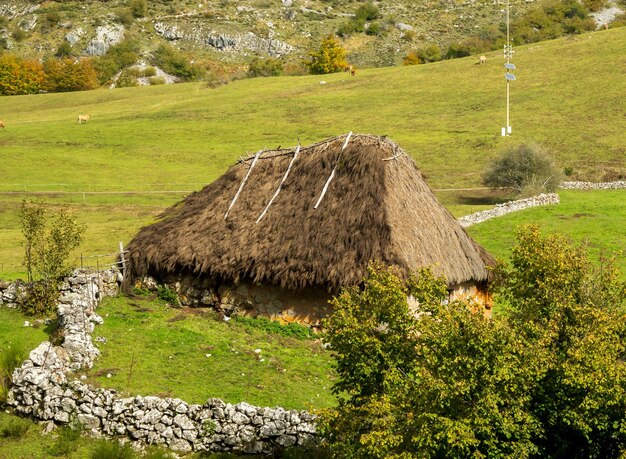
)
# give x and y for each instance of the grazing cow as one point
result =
(83, 118)
(1, 124)
(350, 68)
(482, 59)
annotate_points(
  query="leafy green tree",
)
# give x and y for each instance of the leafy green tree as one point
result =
(48, 244)
(570, 313)
(544, 378)
(526, 169)
(439, 383)
(329, 58)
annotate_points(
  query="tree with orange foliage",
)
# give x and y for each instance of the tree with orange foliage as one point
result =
(64, 75)
(18, 76)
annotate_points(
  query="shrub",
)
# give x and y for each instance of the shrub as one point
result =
(111, 449)
(408, 35)
(139, 8)
(19, 34)
(149, 72)
(119, 56)
(48, 244)
(544, 379)
(429, 53)
(350, 27)
(14, 428)
(526, 169)
(124, 16)
(156, 80)
(329, 58)
(174, 62)
(367, 12)
(374, 29)
(167, 294)
(265, 67)
(127, 79)
(64, 50)
(411, 59)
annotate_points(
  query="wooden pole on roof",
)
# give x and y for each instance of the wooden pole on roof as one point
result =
(332, 174)
(243, 182)
(295, 155)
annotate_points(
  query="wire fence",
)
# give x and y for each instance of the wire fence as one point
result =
(97, 262)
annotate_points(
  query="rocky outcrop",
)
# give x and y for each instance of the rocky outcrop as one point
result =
(106, 36)
(236, 42)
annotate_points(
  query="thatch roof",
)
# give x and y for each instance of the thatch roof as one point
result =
(376, 207)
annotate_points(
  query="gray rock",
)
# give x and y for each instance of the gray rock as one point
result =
(106, 36)
(180, 445)
(183, 422)
(88, 421)
(240, 419)
(286, 440)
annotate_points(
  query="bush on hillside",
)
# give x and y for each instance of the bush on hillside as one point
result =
(367, 12)
(546, 379)
(124, 16)
(329, 58)
(551, 20)
(411, 58)
(526, 169)
(265, 67)
(138, 8)
(429, 53)
(64, 50)
(119, 56)
(176, 63)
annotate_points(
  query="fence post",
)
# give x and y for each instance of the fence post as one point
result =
(122, 258)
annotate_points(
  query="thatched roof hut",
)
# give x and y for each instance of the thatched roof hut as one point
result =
(315, 232)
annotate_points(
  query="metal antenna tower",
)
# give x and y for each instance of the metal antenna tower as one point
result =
(508, 55)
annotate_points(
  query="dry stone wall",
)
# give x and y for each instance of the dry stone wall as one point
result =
(593, 185)
(43, 388)
(508, 207)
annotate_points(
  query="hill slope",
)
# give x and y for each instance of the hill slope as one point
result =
(569, 96)
(232, 31)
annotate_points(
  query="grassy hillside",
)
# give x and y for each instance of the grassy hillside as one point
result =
(447, 115)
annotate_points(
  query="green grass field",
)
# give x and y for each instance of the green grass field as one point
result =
(153, 349)
(446, 115)
(13, 333)
(597, 218)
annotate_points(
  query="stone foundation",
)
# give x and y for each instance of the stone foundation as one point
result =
(307, 307)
